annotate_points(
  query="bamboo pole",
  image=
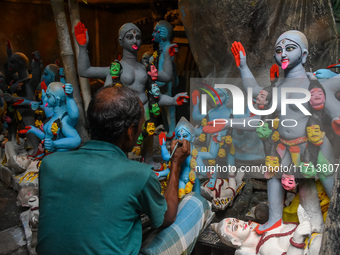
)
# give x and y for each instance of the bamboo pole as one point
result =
(84, 82)
(67, 56)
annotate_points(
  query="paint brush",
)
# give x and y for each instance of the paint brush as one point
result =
(173, 150)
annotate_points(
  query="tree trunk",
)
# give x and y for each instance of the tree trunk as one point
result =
(84, 82)
(330, 241)
(66, 53)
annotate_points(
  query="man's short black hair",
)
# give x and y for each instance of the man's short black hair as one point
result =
(112, 111)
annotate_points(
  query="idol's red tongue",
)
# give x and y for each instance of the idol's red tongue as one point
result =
(285, 64)
(134, 47)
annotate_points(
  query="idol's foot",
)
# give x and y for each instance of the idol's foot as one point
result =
(269, 225)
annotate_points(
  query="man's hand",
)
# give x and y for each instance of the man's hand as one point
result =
(181, 98)
(80, 33)
(182, 151)
(239, 54)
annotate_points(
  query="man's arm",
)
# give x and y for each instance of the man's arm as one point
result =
(171, 193)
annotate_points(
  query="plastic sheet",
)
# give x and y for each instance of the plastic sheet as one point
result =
(213, 25)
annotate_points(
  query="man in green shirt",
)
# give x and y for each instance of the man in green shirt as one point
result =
(91, 199)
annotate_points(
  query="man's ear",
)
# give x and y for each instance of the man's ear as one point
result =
(130, 133)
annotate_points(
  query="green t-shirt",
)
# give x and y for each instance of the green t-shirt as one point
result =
(91, 200)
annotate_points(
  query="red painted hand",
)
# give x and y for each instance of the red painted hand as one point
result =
(181, 100)
(235, 49)
(195, 96)
(173, 50)
(336, 125)
(213, 128)
(80, 33)
(20, 101)
(43, 86)
(24, 131)
(162, 138)
(274, 72)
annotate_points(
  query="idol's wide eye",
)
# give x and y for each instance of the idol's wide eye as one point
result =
(290, 48)
(130, 37)
(138, 37)
(278, 50)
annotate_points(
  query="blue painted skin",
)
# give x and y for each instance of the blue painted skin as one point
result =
(220, 111)
(183, 131)
(251, 147)
(323, 74)
(162, 174)
(48, 76)
(161, 35)
(65, 109)
(213, 178)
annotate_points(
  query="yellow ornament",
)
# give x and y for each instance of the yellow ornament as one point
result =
(181, 193)
(192, 176)
(54, 128)
(188, 187)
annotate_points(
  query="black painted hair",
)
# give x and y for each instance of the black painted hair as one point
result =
(112, 111)
(314, 120)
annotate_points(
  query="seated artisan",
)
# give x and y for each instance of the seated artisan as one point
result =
(91, 199)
